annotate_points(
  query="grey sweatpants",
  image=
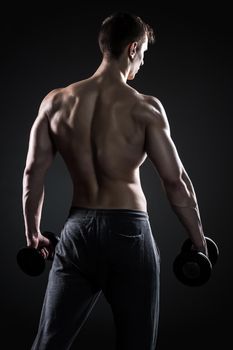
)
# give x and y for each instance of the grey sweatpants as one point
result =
(103, 250)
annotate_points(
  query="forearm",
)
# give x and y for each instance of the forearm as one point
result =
(184, 203)
(32, 201)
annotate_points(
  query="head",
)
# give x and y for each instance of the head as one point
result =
(125, 34)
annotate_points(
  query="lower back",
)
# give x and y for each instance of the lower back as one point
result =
(119, 196)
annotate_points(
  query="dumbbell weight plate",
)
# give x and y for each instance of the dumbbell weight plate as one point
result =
(212, 247)
(192, 268)
(30, 261)
(213, 251)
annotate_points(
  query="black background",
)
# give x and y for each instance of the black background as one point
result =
(190, 70)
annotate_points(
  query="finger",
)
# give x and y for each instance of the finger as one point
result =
(44, 252)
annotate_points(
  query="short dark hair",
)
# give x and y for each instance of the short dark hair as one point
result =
(119, 30)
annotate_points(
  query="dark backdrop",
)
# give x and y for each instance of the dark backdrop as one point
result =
(190, 70)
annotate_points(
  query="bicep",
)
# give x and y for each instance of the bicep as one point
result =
(162, 152)
(41, 150)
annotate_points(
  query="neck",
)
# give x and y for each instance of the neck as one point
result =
(115, 69)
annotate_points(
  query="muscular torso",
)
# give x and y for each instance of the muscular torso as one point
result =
(97, 128)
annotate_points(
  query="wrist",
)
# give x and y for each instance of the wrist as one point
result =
(32, 234)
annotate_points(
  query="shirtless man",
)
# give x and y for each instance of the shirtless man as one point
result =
(104, 130)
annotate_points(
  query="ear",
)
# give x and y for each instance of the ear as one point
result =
(132, 49)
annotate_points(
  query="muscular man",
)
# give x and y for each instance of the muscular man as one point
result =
(104, 130)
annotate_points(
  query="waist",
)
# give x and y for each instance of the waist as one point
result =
(114, 194)
(94, 212)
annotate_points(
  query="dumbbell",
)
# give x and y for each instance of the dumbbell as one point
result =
(192, 267)
(31, 261)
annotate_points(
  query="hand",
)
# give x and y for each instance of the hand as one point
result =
(203, 249)
(41, 243)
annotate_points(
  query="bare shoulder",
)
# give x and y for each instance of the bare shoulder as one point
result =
(64, 98)
(154, 103)
(55, 100)
(50, 100)
(151, 110)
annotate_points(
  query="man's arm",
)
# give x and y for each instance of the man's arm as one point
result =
(41, 152)
(162, 151)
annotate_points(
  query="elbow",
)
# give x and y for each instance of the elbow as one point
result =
(32, 176)
(27, 179)
(35, 169)
(178, 193)
(28, 174)
(32, 186)
(173, 183)
(28, 171)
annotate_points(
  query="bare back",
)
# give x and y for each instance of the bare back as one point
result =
(97, 130)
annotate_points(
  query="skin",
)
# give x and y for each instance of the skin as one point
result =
(104, 130)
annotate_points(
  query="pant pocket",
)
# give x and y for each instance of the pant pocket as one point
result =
(127, 228)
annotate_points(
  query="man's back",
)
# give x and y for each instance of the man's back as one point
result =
(97, 128)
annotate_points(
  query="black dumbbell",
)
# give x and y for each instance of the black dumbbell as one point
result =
(194, 268)
(30, 259)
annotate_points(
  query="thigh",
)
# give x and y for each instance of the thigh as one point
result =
(133, 286)
(68, 301)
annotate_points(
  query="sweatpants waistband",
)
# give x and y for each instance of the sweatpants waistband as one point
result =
(92, 212)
